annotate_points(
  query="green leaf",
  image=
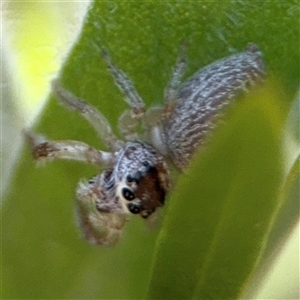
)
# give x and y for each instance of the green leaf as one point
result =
(283, 224)
(213, 236)
(44, 258)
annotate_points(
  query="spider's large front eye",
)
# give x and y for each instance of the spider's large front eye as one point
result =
(128, 194)
(133, 208)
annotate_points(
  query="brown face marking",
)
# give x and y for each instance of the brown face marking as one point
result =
(149, 190)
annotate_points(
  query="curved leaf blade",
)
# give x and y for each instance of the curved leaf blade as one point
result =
(213, 237)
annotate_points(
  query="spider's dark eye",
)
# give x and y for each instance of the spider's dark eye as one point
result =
(133, 208)
(129, 178)
(145, 163)
(128, 194)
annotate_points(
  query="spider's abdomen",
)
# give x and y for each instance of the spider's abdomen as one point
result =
(202, 99)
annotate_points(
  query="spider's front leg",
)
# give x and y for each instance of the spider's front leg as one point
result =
(130, 118)
(45, 150)
(90, 113)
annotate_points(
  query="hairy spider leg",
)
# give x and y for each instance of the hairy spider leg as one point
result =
(44, 150)
(130, 118)
(91, 114)
(155, 115)
(171, 91)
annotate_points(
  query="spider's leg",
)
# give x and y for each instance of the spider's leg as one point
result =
(45, 150)
(90, 113)
(127, 124)
(153, 116)
(170, 94)
(154, 129)
(130, 119)
(125, 85)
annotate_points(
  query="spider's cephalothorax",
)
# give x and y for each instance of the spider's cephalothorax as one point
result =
(136, 178)
(137, 184)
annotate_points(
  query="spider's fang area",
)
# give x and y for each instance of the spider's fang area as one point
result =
(146, 213)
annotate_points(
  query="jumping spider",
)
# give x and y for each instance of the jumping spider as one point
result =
(136, 177)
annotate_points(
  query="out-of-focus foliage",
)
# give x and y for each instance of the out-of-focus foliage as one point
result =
(36, 37)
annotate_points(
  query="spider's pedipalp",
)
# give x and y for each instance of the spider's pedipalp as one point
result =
(90, 113)
(101, 221)
(43, 150)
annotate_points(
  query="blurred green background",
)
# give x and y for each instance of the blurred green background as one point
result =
(43, 256)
